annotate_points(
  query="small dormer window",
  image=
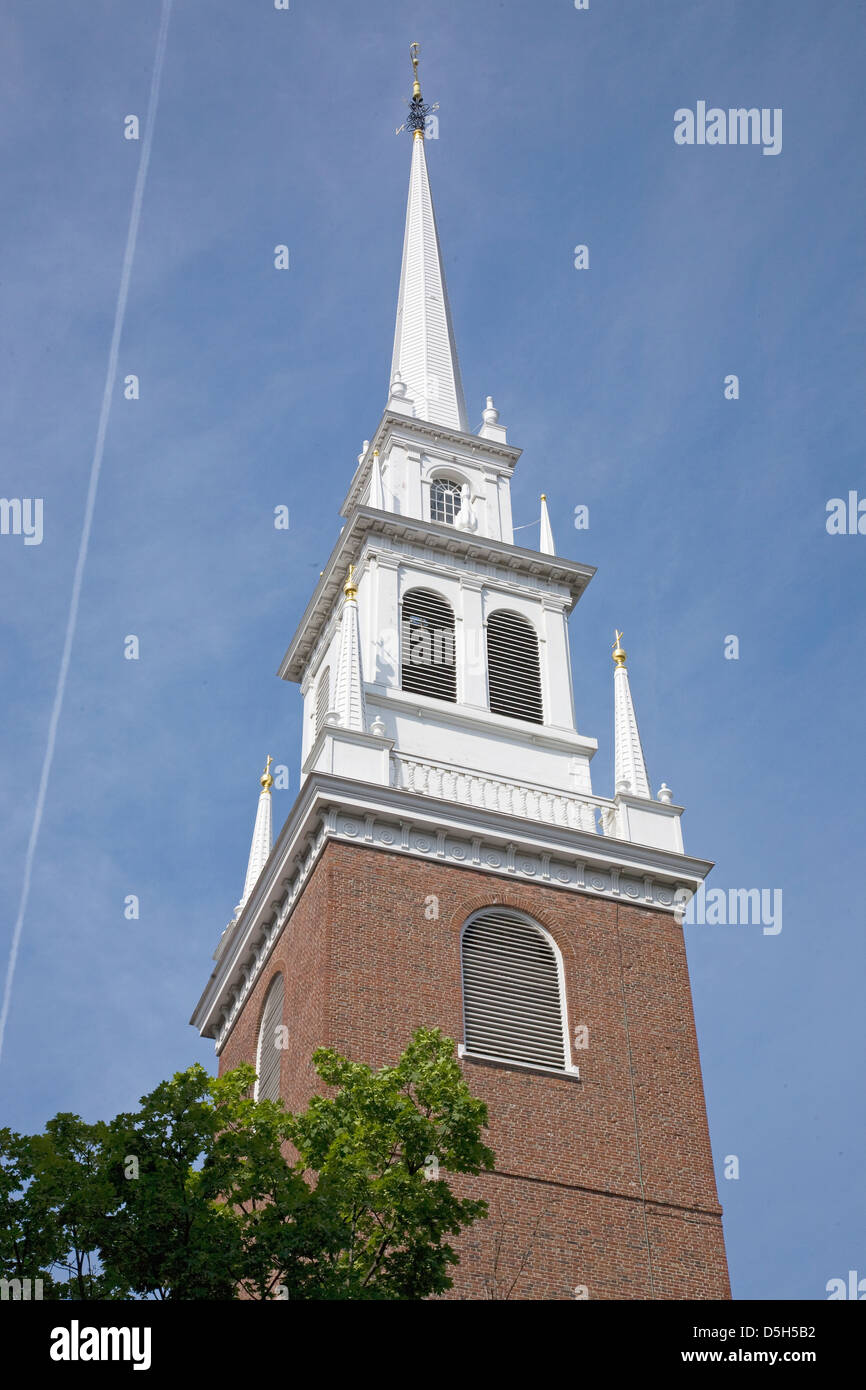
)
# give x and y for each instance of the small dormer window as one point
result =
(444, 500)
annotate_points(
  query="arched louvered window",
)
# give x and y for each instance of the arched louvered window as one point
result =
(323, 696)
(444, 500)
(513, 1005)
(270, 1050)
(513, 671)
(427, 645)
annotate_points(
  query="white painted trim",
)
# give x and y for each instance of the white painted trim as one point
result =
(560, 976)
(530, 616)
(495, 561)
(543, 735)
(572, 1072)
(334, 808)
(412, 432)
(438, 471)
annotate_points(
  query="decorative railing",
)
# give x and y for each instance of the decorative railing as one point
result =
(488, 792)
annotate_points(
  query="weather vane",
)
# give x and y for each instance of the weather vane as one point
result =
(418, 108)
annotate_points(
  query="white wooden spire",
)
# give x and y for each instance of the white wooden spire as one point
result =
(263, 836)
(425, 354)
(630, 773)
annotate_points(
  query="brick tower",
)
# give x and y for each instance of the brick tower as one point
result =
(446, 862)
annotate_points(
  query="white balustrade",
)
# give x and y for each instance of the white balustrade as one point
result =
(428, 778)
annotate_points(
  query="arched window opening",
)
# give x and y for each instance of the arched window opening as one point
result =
(513, 669)
(513, 1006)
(427, 646)
(270, 1044)
(444, 500)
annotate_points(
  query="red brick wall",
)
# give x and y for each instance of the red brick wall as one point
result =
(605, 1182)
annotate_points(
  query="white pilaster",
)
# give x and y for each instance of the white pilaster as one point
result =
(471, 645)
(386, 670)
(560, 708)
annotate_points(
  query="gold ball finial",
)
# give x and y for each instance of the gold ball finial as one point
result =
(350, 588)
(544, 497)
(266, 779)
(618, 649)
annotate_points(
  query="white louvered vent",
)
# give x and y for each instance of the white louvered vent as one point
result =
(513, 672)
(269, 1052)
(323, 695)
(512, 1006)
(444, 501)
(427, 646)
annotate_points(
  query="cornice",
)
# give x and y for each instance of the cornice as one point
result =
(482, 721)
(399, 822)
(422, 433)
(368, 522)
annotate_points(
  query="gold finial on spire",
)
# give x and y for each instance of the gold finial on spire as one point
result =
(544, 497)
(618, 649)
(266, 779)
(414, 50)
(350, 588)
(418, 108)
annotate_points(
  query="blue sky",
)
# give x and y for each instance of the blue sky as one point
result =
(707, 516)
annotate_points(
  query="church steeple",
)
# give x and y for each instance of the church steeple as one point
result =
(424, 362)
(440, 752)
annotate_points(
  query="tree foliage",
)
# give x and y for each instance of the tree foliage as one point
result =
(206, 1193)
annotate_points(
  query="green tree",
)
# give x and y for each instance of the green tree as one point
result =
(205, 1193)
(53, 1198)
(30, 1239)
(164, 1234)
(379, 1146)
(207, 1203)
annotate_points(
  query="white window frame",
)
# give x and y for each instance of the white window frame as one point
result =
(570, 1068)
(455, 482)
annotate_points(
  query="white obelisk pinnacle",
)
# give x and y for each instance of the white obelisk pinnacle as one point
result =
(630, 773)
(545, 544)
(377, 495)
(349, 692)
(263, 838)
